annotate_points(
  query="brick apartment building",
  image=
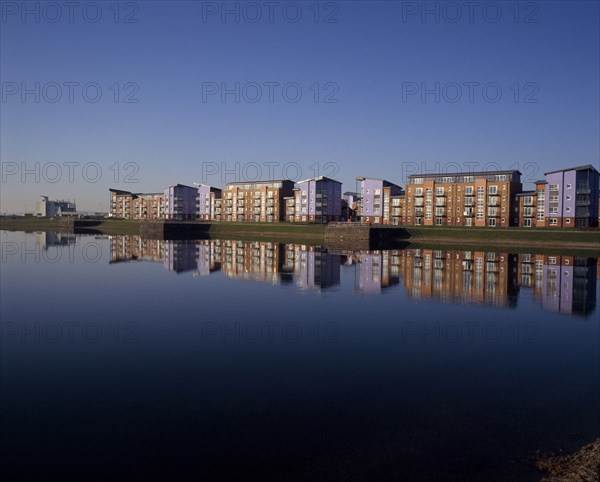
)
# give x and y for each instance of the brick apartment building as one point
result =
(260, 201)
(465, 199)
(137, 206)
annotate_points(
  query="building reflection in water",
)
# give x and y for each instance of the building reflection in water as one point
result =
(49, 239)
(565, 284)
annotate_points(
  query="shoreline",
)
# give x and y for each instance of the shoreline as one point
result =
(414, 236)
(581, 465)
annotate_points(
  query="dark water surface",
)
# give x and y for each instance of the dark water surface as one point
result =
(131, 359)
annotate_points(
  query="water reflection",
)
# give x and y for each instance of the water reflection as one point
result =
(565, 284)
(50, 239)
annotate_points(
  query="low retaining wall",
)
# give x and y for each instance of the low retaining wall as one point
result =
(173, 230)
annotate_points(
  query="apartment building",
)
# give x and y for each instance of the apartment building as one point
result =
(464, 199)
(397, 209)
(290, 208)
(180, 202)
(260, 201)
(572, 197)
(128, 205)
(206, 205)
(375, 200)
(525, 209)
(317, 200)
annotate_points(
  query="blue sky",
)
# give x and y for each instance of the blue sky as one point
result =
(371, 59)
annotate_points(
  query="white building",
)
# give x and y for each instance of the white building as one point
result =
(49, 209)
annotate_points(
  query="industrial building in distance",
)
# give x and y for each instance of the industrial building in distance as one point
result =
(566, 198)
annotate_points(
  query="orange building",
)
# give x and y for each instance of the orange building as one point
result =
(464, 199)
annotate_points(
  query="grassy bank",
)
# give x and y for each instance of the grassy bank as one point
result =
(503, 238)
(530, 240)
(109, 226)
(104, 226)
(29, 223)
(281, 230)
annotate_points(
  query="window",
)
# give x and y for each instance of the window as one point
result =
(568, 186)
(568, 198)
(492, 190)
(568, 209)
(552, 260)
(553, 222)
(568, 221)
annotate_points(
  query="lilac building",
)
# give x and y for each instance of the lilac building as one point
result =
(572, 197)
(374, 273)
(207, 195)
(569, 285)
(375, 200)
(180, 256)
(318, 200)
(180, 202)
(316, 269)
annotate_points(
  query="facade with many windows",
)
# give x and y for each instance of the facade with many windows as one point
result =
(317, 200)
(206, 205)
(482, 199)
(572, 197)
(376, 200)
(180, 202)
(260, 201)
(136, 206)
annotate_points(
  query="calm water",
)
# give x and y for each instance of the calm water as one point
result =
(133, 359)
